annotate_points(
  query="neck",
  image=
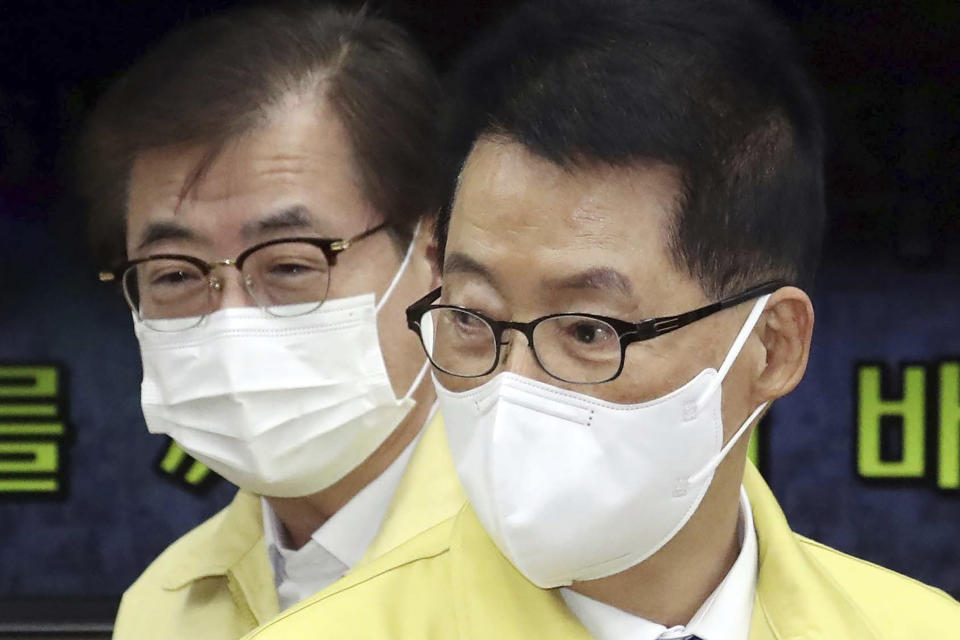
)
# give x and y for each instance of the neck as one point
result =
(670, 586)
(301, 517)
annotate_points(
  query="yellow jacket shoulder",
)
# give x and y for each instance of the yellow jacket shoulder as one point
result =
(896, 605)
(392, 596)
(214, 582)
(451, 582)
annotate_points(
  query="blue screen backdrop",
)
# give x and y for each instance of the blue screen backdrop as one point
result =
(116, 510)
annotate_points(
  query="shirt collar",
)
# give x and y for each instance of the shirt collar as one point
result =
(349, 532)
(725, 615)
(340, 543)
(797, 596)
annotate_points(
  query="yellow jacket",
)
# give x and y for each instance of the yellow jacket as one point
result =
(451, 582)
(216, 582)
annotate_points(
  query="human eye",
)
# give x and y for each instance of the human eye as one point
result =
(161, 283)
(461, 328)
(589, 332)
(576, 339)
(466, 322)
(290, 269)
(288, 265)
(173, 276)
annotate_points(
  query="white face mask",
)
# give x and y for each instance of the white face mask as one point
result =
(570, 487)
(279, 406)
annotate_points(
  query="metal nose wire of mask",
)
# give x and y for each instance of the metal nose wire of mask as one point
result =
(732, 355)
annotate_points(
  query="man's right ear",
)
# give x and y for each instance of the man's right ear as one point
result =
(433, 257)
(433, 252)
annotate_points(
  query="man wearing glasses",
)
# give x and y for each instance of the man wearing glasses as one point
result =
(636, 221)
(257, 181)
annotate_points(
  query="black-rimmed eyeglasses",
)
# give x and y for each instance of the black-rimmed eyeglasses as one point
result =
(285, 277)
(579, 348)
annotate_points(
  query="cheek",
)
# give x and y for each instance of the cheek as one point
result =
(656, 368)
(457, 384)
(642, 383)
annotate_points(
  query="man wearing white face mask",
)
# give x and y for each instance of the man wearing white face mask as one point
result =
(266, 171)
(639, 207)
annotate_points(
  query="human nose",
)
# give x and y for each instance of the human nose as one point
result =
(517, 356)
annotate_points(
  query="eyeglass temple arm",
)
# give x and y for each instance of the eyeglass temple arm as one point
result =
(416, 310)
(341, 245)
(659, 326)
(115, 274)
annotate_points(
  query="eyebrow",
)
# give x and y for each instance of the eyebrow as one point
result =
(156, 232)
(462, 263)
(603, 278)
(295, 217)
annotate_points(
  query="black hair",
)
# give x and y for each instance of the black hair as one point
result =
(214, 79)
(711, 88)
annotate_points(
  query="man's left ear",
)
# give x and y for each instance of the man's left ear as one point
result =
(785, 329)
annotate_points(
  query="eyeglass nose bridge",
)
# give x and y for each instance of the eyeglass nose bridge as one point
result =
(216, 282)
(519, 327)
(524, 328)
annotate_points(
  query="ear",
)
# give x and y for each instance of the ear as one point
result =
(426, 238)
(786, 330)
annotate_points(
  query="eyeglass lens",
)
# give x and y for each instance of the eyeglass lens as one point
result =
(572, 348)
(286, 279)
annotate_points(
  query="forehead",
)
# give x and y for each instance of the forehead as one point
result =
(517, 212)
(505, 184)
(301, 155)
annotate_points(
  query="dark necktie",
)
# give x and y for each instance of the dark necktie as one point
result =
(669, 634)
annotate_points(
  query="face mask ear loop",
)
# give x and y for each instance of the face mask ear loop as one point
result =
(734, 351)
(403, 267)
(418, 379)
(717, 459)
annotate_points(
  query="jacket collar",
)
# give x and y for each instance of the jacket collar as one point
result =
(494, 600)
(428, 494)
(420, 519)
(230, 545)
(795, 597)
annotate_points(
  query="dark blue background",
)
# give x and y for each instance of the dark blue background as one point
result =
(120, 512)
(888, 291)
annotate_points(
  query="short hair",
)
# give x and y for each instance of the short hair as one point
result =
(215, 79)
(711, 88)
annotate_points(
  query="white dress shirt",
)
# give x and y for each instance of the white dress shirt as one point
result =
(725, 615)
(339, 543)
